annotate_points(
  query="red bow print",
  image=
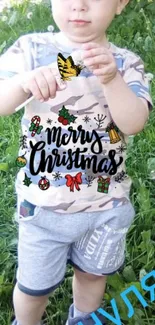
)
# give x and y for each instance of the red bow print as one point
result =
(74, 181)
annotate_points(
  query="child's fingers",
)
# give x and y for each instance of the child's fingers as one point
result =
(48, 82)
(91, 45)
(42, 83)
(51, 82)
(33, 88)
(60, 84)
(93, 49)
(34, 82)
(99, 59)
(93, 52)
(105, 73)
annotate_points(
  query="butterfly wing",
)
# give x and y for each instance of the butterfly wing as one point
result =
(69, 62)
(61, 64)
(71, 67)
(67, 68)
(74, 69)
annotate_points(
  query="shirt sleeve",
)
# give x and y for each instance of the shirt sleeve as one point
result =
(136, 78)
(16, 59)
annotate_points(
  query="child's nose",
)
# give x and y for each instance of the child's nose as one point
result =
(79, 5)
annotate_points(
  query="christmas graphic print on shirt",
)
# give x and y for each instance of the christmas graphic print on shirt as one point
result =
(75, 152)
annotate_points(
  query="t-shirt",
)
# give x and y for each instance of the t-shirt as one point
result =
(72, 154)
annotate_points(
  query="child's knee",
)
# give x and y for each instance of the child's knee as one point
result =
(20, 296)
(83, 276)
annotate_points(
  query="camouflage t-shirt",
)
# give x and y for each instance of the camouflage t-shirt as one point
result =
(72, 155)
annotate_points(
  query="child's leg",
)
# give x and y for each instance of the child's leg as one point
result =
(42, 257)
(28, 309)
(88, 291)
(100, 252)
(45, 238)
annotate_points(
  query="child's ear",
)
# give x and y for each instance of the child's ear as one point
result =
(121, 5)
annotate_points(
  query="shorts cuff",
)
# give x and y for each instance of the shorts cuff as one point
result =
(38, 293)
(117, 270)
(75, 265)
(109, 273)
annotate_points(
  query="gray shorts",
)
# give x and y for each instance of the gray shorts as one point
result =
(91, 242)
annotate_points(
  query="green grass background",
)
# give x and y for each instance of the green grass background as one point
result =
(135, 29)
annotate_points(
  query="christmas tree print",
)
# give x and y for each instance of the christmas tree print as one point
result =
(23, 142)
(27, 181)
(65, 117)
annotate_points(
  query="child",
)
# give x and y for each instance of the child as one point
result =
(72, 188)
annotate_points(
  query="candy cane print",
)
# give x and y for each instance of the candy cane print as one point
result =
(36, 120)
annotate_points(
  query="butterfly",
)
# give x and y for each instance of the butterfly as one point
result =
(67, 67)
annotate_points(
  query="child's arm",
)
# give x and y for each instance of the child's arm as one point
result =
(11, 95)
(128, 111)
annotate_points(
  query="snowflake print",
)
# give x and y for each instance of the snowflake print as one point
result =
(121, 148)
(49, 121)
(86, 119)
(104, 152)
(57, 176)
(120, 177)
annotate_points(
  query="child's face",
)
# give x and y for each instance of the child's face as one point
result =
(94, 17)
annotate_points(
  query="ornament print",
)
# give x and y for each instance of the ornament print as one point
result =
(44, 183)
(21, 161)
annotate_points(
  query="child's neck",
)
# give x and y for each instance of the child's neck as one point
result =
(65, 40)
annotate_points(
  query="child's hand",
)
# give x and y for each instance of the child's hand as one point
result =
(100, 61)
(42, 83)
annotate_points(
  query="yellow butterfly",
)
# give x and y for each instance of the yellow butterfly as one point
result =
(67, 67)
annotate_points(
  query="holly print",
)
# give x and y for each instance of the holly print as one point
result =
(65, 117)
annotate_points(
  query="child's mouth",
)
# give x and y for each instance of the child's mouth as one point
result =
(79, 22)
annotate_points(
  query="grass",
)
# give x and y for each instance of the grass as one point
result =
(135, 30)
